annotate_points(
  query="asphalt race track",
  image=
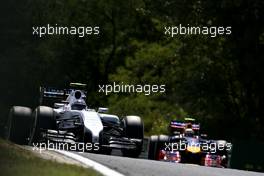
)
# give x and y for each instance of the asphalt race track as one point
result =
(143, 167)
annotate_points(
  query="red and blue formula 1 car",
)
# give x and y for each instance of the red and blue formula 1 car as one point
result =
(186, 145)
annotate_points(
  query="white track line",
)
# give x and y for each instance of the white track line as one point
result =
(96, 166)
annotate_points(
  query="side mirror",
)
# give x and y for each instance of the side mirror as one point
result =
(204, 136)
(58, 105)
(176, 133)
(102, 110)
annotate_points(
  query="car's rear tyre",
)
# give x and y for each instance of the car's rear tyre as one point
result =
(152, 148)
(162, 140)
(43, 118)
(19, 124)
(223, 152)
(134, 129)
(156, 144)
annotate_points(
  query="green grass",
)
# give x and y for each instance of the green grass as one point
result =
(15, 161)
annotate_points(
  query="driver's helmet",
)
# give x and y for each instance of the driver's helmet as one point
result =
(78, 105)
(189, 132)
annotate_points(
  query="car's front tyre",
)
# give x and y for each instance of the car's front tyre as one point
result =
(19, 124)
(133, 129)
(43, 118)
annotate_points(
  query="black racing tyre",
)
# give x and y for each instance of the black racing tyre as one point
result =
(152, 148)
(156, 144)
(133, 128)
(43, 118)
(19, 124)
(162, 139)
(222, 151)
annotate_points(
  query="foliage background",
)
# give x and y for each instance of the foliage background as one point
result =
(218, 80)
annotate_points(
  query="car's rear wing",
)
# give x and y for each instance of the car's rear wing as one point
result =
(183, 125)
(50, 95)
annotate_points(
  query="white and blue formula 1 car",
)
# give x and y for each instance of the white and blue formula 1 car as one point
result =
(71, 121)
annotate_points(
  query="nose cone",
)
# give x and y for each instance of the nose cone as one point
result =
(93, 122)
(194, 149)
(193, 145)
